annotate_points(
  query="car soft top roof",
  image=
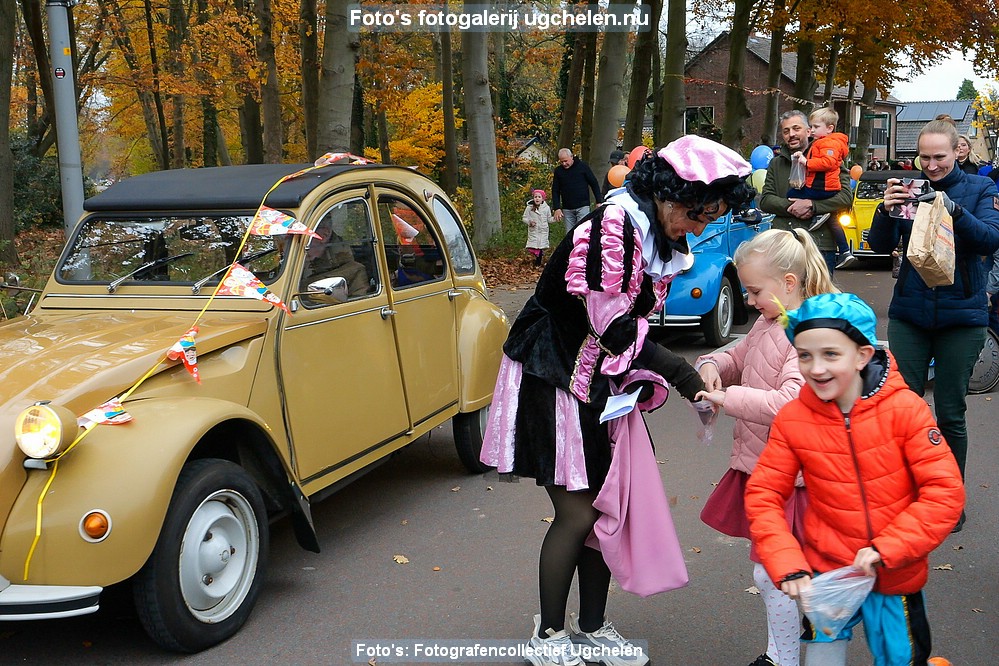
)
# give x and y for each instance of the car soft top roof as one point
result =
(215, 188)
(882, 176)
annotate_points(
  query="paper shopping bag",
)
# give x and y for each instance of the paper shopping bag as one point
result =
(931, 244)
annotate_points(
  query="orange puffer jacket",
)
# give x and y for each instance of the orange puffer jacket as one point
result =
(825, 156)
(882, 475)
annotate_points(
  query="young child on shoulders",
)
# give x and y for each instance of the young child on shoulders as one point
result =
(537, 217)
(883, 487)
(752, 381)
(826, 153)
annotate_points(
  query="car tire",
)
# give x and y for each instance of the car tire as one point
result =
(985, 374)
(215, 502)
(717, 324)
(468, 430)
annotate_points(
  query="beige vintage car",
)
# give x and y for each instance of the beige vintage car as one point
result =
(387, 333)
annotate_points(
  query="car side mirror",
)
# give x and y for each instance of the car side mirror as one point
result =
(331, 290)
(750, 216)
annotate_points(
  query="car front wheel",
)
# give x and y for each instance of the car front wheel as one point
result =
(468, 430)
(204, 575)
(717, 324)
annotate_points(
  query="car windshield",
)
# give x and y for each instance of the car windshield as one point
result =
(179, 249)
(871, 189)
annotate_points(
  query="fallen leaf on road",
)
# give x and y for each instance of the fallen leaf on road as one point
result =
(371, 662)
(437, 568)
(983, 485)
(405, 522)
(548, 519)
(400, 559)
(696, 549)
(694, 497)
(456, 489)
(752, 589)
(662, 462)
(977, 610)
(958, 548)
(488, 488)
(673, 500)
(944, 567)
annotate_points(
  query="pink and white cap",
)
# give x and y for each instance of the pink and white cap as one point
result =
(696, 158)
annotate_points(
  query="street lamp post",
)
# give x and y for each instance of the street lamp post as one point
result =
(67, 130)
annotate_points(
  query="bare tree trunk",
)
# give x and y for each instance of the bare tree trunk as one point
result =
(251, 133)
(834, 49)
(336, 81)
(589, 88)
(449, 177)
(610, 93)
(769, 136)
(357, 119)
(870, 81)
(570, 103)
(736, 110)
(225, 159)
(481, 138)
(163, 158)
(674, 100)
(309, 38)
(270, 95)
(804, 81)
(657, 88)
(176, 40)
(31, 10)
(383, 141)
(8, 19)
(641, 71)
(209, 114)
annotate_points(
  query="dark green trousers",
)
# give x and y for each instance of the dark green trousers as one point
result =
(955, 351)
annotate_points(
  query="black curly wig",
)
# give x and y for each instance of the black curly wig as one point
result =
(654, 177)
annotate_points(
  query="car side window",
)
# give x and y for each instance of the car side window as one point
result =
(411, 248)
(458, 247)
(344, 248)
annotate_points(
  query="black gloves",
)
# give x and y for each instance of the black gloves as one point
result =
(673, 368)
(953, 208)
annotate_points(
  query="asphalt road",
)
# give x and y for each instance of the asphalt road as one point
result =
(484, 537)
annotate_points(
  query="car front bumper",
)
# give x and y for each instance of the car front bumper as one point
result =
(46, 602)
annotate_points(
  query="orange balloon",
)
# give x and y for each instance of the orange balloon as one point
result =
(938, 661)
(855, 171)
(636, 154)
(617, 174)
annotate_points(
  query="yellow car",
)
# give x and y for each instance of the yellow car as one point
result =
(868, 194)
(162, 419)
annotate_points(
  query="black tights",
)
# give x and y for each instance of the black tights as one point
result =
(563, 553)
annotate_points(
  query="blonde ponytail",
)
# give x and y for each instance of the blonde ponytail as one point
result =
(790, 252)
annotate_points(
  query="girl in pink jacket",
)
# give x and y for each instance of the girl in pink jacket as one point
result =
(752, 381)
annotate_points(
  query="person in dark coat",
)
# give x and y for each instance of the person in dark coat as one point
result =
(572, 182)
(945, 323)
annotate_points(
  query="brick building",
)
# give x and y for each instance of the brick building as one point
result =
(706, 95)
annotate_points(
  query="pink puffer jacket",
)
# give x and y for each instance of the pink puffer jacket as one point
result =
(761, 375)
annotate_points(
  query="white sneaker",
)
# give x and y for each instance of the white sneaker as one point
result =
(846, 259)
(606, 646)
(556, 650)
(818, 221)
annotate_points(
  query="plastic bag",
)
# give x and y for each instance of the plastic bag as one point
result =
(797, 178)
(707, 415)
(834, 598)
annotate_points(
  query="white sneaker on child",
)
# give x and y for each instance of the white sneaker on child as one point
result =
(818, 221)
(556, 650)
(606, 645)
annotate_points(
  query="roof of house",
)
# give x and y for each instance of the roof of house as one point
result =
(914, 115)
(760, 47)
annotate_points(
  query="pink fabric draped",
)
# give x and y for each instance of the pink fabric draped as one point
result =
(570, 464)
(497, 441)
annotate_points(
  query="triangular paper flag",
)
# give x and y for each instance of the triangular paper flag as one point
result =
(272, 222)
(185, 350)
(241, 282)
(110, 413)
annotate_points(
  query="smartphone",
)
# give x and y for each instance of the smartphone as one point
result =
(915, 188)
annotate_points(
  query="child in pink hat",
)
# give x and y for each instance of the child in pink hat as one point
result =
(537, 217)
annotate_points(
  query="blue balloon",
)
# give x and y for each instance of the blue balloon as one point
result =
(761, 156)
(985, 170)
(853, 184)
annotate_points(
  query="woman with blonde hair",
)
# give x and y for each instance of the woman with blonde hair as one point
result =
(966, 157)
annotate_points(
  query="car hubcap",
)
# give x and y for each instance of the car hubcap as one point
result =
(725, 312)
(218, 556)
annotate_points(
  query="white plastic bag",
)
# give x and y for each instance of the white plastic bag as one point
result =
(834, 598)
(707, 414)
(796, 180)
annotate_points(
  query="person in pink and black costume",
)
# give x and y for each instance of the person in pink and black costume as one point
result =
(582, 335)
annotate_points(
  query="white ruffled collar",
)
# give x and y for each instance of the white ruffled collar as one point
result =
(655, 267)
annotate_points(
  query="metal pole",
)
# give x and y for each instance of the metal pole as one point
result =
(67, 130)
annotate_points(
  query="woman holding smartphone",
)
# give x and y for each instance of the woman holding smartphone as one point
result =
(944, 323)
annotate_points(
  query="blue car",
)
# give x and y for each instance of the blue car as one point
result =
(709, 295)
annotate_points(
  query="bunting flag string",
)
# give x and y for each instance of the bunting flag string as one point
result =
(110, 413)
(272, 222)
(186, 351)
(757, 91)
(241, 282)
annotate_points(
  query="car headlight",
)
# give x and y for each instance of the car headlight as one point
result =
(845, 220)
(41, 431)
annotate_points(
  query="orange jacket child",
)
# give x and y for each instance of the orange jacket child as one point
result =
(825, 156)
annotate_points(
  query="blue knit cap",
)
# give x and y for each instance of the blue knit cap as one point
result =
(843, 312)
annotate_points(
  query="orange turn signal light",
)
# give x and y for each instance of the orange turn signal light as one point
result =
(696, 292)
(96, 525)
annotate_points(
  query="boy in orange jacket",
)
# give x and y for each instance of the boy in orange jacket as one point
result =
(883, 487)
(826, 154)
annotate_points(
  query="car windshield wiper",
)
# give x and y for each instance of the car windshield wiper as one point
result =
(149, 265)
(243, 260)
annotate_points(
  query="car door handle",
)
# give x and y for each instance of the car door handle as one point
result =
(387, 312)
(453, 294)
